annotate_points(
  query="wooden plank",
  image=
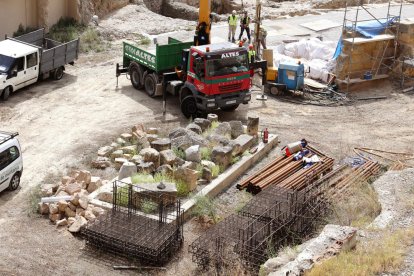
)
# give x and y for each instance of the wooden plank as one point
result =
(361, 40)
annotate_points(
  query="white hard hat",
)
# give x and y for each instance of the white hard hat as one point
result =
(233, 12)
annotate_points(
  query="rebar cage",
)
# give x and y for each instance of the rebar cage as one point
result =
(143, 225)
(274, 218)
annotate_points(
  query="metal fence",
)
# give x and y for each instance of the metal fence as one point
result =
(142, 225)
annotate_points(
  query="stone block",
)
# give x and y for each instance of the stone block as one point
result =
(237, 129)
(95, 184)
(128, 169)
(194, 127)
(151, 155)
(161, 144)
(193, 154)
(101, 163)
(152, 137)
(212, 117)
(127, 137)
(168, 157)
(119, 162)
(252, 125)
(204, 124)
(222, 156)
(73, 188)
(153, 130)
(105, 151)
(242, 143)
(129, 150)
(146, 167)
(188, 177)
(117, 154)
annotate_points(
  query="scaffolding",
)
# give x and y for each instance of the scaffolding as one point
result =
(383, 61)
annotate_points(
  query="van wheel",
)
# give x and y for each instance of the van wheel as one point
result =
(6, 93)
(14, 182)
(58, 73)
(136, 72)
(150, 82)
(189, 107)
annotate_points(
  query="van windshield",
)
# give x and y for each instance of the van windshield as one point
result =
(226, 66)
(6, 63)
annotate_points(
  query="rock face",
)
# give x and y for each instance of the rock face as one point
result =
(222, 156)
(252, 125)
(236, 129)
(331, 241)
(193, 154)
(242, 143)
(218, 139)
(179, 10)
(127, 170)
(161, 144)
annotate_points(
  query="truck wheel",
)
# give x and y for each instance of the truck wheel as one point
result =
(230, 107)
(14, 182)
(189, 107)
(6, 93)
(136, 73)
(150, 83)
(58, 73)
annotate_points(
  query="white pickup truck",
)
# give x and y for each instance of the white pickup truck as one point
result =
(32, 57)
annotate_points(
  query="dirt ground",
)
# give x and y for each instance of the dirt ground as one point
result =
(62, 123)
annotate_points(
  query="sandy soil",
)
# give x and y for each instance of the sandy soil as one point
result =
(63, 123)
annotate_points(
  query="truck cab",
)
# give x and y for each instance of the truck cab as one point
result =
(218, 76)
(19, 66)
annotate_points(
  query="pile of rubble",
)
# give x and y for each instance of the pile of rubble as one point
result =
(194, 154)
(67, 203)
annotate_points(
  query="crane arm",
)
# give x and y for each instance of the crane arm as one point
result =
(204, 23)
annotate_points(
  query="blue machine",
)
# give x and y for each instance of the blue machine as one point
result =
(292, 75)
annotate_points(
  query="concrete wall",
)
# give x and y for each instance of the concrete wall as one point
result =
(45, 13)
(15, 12)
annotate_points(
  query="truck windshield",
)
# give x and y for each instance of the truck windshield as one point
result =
(226, 66)
(5, 63)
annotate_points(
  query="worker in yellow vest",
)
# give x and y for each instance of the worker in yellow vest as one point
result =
(232, 20)
(244, 25)
(252, 54)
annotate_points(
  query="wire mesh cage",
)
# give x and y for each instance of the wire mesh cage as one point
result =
(142, 225)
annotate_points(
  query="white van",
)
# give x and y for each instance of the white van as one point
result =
(11, 162)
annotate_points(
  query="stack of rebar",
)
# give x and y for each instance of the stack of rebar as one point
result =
(288, 173)
(351, 176)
